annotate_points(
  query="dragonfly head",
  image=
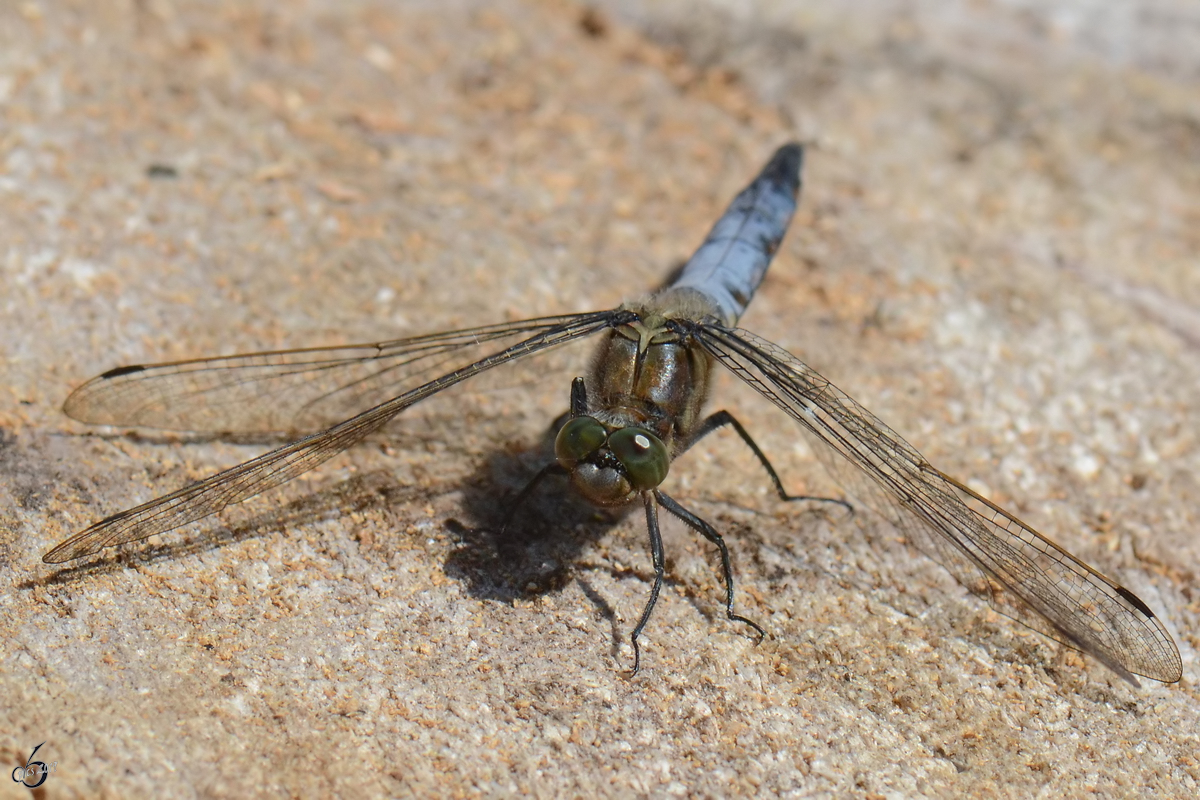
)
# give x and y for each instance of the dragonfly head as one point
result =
(606, 467)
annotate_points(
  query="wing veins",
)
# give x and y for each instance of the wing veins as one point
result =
(1082, 608)
(212, 494)
(214, 394)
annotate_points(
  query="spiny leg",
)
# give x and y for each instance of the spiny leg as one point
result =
(578, 409)
(553, 468)
(578, 398)
(720, 419)
(579, 406)
(656, 557)
(709, 532)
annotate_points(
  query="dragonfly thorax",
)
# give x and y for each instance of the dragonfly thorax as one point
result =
(609, 467)
(650, 375)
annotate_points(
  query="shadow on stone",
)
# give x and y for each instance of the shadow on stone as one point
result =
(544, 539)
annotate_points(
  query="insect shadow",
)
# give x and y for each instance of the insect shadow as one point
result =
(508, 551)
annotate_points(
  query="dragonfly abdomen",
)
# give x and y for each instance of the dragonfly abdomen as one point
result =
(734, 258)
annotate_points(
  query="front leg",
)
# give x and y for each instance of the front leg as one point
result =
(656, 557)
(709, 532)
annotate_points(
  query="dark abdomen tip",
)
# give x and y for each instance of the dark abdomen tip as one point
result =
(784, 167)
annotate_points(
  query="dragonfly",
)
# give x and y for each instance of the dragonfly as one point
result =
(640, 407)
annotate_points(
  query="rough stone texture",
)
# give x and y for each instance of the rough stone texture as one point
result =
(996, 251)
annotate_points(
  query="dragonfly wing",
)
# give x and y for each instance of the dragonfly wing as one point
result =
(1021, 573)
(287, 390)
(271, 469)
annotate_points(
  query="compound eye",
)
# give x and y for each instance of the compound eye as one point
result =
(642, 454)
(578, 439)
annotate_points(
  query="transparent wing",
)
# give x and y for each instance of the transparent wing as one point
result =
(286, 390)
(209, 496)
(1021, 573)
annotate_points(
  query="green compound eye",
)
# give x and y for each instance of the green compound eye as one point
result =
(643, 455)
(578, 439)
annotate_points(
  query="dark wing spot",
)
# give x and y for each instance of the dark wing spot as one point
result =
(1135, 601)
(117, 372)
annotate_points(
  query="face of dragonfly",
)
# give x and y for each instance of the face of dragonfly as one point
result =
(649, 383)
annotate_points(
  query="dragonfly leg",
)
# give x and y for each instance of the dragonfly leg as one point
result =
(553, 468)
(722, 418)
(579, 405)
(709, 532)
(656, 556)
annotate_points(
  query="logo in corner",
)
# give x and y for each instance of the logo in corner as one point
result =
(36, 771)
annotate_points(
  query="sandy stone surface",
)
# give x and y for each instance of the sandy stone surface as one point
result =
(996, 252)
